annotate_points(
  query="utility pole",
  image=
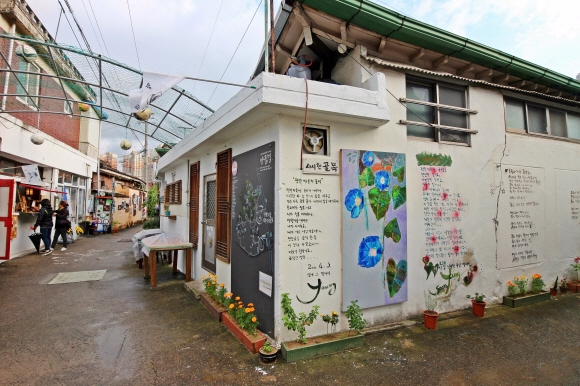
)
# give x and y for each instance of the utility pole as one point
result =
(146, 150)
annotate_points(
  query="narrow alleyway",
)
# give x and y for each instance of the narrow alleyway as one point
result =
(117, 331)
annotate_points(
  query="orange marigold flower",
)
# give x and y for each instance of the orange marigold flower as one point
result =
(237, 298)
(240, 306)
(208, 284)
(221, 285)
(232, 305)
(523, 277)
(252, 309)
(203, 277)
(511, 284)
(254, 319)
(213, 282)
(250, 304)
(248, 310)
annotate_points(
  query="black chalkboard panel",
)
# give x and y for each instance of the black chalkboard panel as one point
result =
(252, 244)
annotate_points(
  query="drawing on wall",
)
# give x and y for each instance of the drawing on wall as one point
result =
(431, 159)
(374, 227)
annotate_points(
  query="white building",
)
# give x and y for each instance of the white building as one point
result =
(435, 165)
(36, 103)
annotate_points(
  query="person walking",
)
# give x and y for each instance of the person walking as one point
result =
(44, 221)
(62, 225)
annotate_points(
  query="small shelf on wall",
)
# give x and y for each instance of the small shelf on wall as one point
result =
(171, 217)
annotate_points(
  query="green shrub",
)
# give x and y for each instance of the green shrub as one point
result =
(152, 223)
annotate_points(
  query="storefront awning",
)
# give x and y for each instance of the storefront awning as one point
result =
(39, 188)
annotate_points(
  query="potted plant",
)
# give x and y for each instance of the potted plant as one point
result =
(554, 289)
(268, 352)
(243, 323)
(477, 303)
(430, 315)
(574, 286)
(519, 295)
(564, 285)
(216, 298)
(167, 211)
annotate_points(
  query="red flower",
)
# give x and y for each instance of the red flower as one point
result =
(577, 259)
(433, 239)
(425, 186)
(425, 259)
(445, 195)
(456, 249)
(474, 268)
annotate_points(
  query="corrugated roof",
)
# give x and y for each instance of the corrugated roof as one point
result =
(408, 67)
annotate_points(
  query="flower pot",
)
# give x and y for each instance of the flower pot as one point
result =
(322, 345)
(252, 342)
(214, 309)
(478, 308)
(168, 213)
(553, 291)
(563, 289)
(574, 286)
(268, 357)
(430, 319)
(524, 300)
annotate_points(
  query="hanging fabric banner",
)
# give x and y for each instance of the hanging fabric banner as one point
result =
(31, 174)
(153, 86)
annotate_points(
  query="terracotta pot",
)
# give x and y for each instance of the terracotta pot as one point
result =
(574, 286)
(553, 292)
(430, 319)
(252, 343)
(478, 308)
(268, 357)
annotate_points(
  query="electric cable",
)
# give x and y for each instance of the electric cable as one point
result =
(92, 27)
(235, 51)
(208, 43)
(132, 30)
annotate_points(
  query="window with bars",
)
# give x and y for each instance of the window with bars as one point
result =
(173, 193)
(437, 111)
(536, 119)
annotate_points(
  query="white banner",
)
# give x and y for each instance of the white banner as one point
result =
(31, 174)
(154, 85)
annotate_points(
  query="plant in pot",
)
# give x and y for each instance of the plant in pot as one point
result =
(564, 285)
(537, 283)
(167, 211)
(430, 315)
(574, 286)
(297, 322)
(268, 352)
(477, 303)
(554, 289)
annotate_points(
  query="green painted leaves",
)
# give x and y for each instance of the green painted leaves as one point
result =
(399, 196)
(367, 178)
(379, 202)
(393, 231)
(396, 275)
(399, 174)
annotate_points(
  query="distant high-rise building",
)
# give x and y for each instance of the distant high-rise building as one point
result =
(135, 164)
(110, 158)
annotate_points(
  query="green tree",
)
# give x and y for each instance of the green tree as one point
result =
(152, 199)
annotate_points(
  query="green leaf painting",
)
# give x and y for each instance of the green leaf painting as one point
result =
(399, 174)
(431, 159)
(393, 231)
(380, 201)
(396, 275)
(399, 196)
(367, 178)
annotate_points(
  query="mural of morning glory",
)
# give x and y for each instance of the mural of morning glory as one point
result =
(374, 227)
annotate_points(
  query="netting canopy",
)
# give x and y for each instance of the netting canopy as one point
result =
(51, 79)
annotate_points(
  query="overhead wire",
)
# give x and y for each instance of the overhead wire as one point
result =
(235, 51)
(92, 27)
(208, 43)
(133, 30)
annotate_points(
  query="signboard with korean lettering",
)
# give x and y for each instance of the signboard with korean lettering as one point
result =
(317, 165)
(252, 231)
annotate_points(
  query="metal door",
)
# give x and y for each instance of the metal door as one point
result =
(6, 199)
(208, 223)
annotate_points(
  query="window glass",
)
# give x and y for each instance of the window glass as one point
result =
(451, 97)
(515, 115)
(537, 122)
(420, 113)
(73, 197)
(60, 176)
(453, 136)
(67, 107)
(75, 180)
(453, 118)
(67, 178)
(22, 66)
(81, 205)
(558, 123)
(574, 126)
(33, 84)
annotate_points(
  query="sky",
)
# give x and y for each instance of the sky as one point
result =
(197, 38)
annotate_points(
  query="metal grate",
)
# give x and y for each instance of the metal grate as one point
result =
(211, 199)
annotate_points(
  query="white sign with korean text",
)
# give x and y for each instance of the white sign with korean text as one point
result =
(265, 285)
(317, 165)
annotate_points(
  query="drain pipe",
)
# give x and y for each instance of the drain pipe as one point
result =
(10, 51)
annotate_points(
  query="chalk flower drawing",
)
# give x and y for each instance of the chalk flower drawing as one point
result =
(370, 252)
(354, 202)
(382, 180)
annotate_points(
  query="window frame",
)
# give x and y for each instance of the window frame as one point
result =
(31, 102)
(547, 107)
(173, 193)
(435, 85)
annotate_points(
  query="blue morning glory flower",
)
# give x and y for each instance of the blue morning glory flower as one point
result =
(368, 158)
(382, 179)
(370, 252)
(354, 201)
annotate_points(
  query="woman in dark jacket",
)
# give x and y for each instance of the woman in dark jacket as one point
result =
(44, 221)
(62, 225)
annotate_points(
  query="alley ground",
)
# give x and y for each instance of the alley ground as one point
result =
(117, 331)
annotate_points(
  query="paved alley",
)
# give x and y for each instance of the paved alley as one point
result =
(117, 331)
